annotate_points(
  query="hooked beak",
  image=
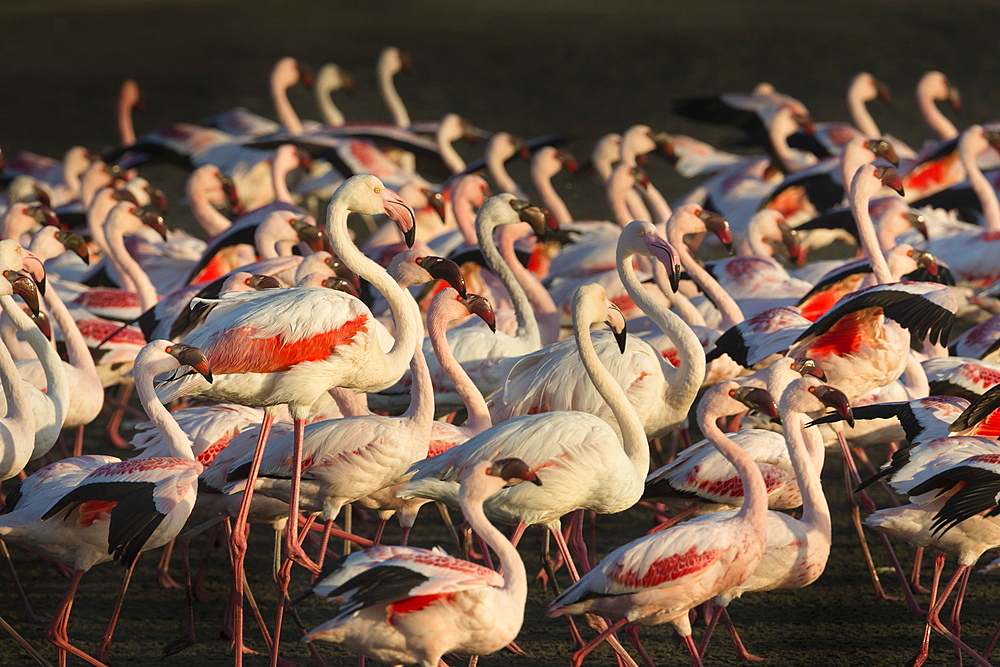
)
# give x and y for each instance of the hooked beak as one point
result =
(76, 243)
(568, 161)
(25, 287)
(790, 239)
(664, 142)
(306, 77)
(616, 320)
(43, 214)
(259, 282)
(232, 197)
(436, 201)
(341, 285)
(157, 198)
(347, 83)
(188, 355)
(718, 225)
(340, 269)
(480, 305)
(538, 217)
(152, 219)
(756, 398)
(806, 366)
(926, 261)
(890, 177)
(883, 149)
(836, 399)
(314, 237)
(918, 222)
(443, 269)
(883, 93)
(510, 469)
(954, 98)
(668, 256)
(124, 195)
(805, 122)
(400, 213)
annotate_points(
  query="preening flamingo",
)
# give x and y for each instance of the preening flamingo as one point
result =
(411, 605)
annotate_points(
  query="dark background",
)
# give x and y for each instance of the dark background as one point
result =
(582, 68)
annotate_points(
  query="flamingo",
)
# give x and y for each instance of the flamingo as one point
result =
(661, 577)
(550, 379)
(324, 339)
(88, 510)
(17, 427)
(427, 604)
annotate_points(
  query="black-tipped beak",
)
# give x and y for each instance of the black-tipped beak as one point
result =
(400, 213)
(668, 256)
(790, 239)
(306, 77)
(926, 261)
(885, 150)
(444, 269)
(832, 397)
(481, 306)
(259, 282)
(756, 398)
(189, 355)
(510, 469)
(229, 190)
(157, 198)
(537, 216)
(890, 177)
(718, 225)
(44, 215)
(152, 219)
(26, 288)
(76, 243)
(619, 328)
(341, 285)
(807, 366)
(436, 201)
(314, 237)
(883, 93)
(121, 194)
(918, 222)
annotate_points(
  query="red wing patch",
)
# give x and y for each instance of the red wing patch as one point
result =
(673, 356)
(93, 511)
(666, 569)
(95, 331)
(929, 175)
(989, 427)
(105, 298)
(980, 376)
(413, 604)
(818, 304)
(846, 336)
(237, 351)
(790, 200)
(212, 451)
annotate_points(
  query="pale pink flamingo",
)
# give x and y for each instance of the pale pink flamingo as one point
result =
(661, 393)
(331, 78)
(979, 342)
(91, 509)
(437, 604)
(269, 362)
(661, 577)
(934, 87)
(59, 182)
(796, 550)
(961, 376)
(206, 187)
(17, 427)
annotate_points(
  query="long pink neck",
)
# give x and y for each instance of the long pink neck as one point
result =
(283, 107)
(546, 313)
(857, 103)
(479, 415)
(731, 312)
(981, 186)
(515, 587)
(936, 120)
(861, 187)
(541, 178)
(213, 222)
(76, 347)
(119, 222)
(815, 509)
(176, 439)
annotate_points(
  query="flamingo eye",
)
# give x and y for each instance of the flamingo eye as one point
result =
(812, 390)
(247, 281)
(131, 210)
(57, 235)
(378, 190)
(169, 349)
(909, 254)
(732, 392)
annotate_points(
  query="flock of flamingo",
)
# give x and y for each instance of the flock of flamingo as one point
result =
(316, 381)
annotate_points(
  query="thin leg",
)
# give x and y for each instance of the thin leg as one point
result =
(293, 550)
(577, 659)
(449, 524)
(28, 648)
(29, 613)
(693, 650)
(113, 427)
(113, 621)
(58, 630)
(324, 544)
(378, 531)
(78, 441)
(632, 632)
(918, 558)
(163, 567)
(925, 641)
(741, 650)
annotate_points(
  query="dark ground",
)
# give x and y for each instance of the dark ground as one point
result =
(580, 68)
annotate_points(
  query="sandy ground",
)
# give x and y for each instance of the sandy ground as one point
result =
(582, 68)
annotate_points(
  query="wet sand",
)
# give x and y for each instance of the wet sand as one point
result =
(579, 68)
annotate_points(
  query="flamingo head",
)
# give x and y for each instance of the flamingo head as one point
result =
(719, 226)
(663, 251)
(74, 243)
(616, 321)
(664, 142)
(539, 217)
(340, 269)
(883, 149)
(121, 194)
(889, 177)
(310, 234)
(24, 286)
(443, 269)
(882, 92)
(232, 196)
(400, 213)
(808, 367)
(481, 307)
(756, 398)
(918, 222)
(832, 397)
(792, 243)
(259, 281)
(157, 198)
(513, 469)
(188, 355)
(924, 260)
(152, 219)
(43, 215)
(340, 284)
(567, 160)
(805, 122)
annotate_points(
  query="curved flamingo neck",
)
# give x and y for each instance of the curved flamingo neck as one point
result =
(127, 100)
(97, 214)
(479, 415)
(386, 85)
(114, 230)
(541, 178)
(465, 218)
(447, 135)
(405, 312)
(77, 352)
(658, 206)
(486, 222)
(731, 312)
(471, 497)
(858, 96)
(282, 165)
(282, 106)
(633, 435)
(176, 439)
(544, 308)
(815, 509)
(754, 506)
(981, 186)
(213, 222)
(619, 185)
(927, 98)
(860, 197)
(421, 408)
(272, 237)
(329, 81)
(683, 382)
(52, 365)
(19, 408)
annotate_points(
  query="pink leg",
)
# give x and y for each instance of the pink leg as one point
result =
(293, 550)
(632, 632)
(925, 640)
(28, 648)
(693, 650)
(674, 520)
(324, 544)
(934, 622)
(58, 632)
(377, 540)
(113, 621)
(163, 567)
(78, 441)
(577, 659)
(741, 650)
(918, 558)
(238, 540)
